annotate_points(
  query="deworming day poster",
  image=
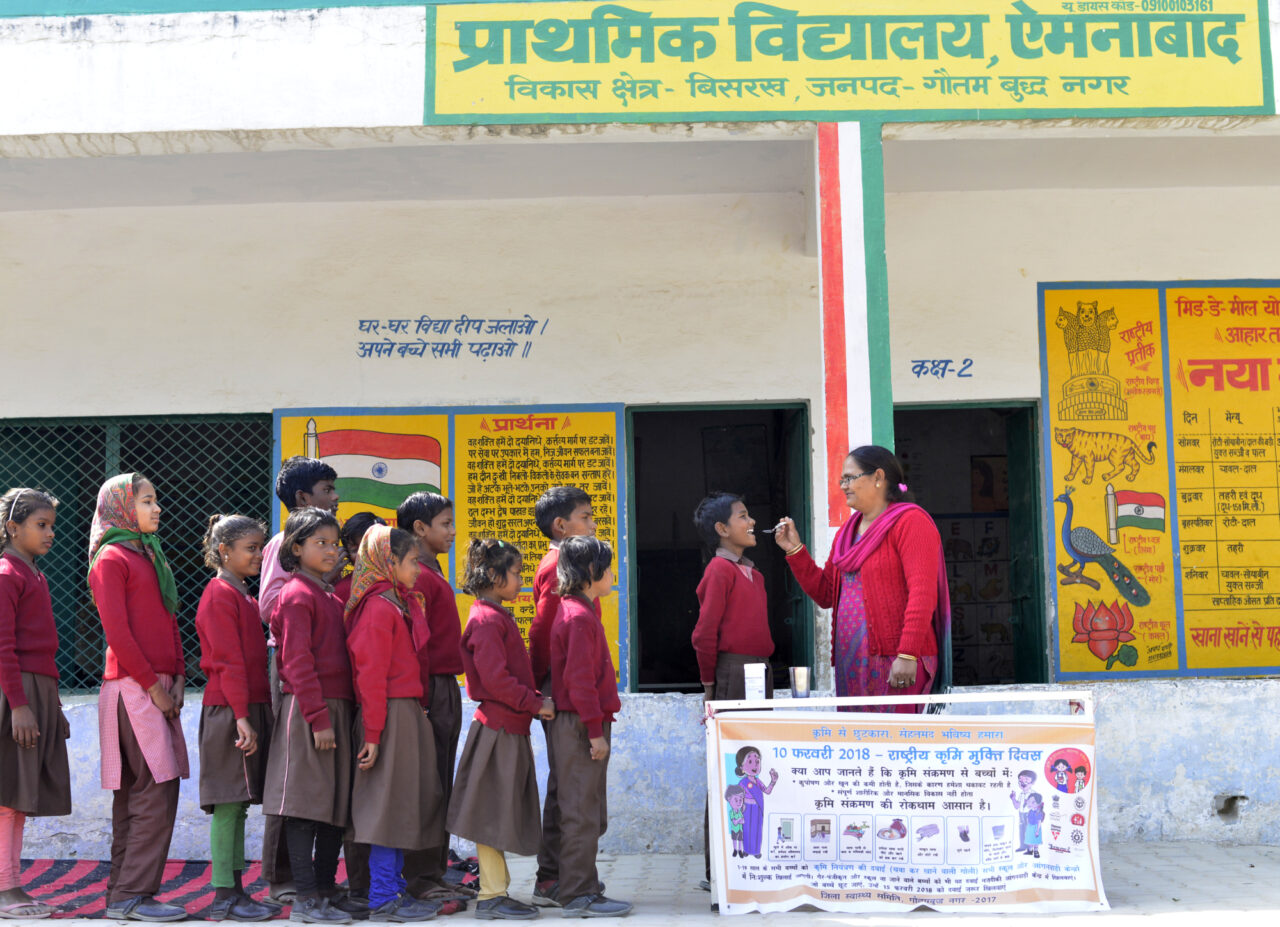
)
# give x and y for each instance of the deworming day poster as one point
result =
(868, 812)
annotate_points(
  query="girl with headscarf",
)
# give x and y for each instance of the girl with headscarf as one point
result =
(395, 804)
(143, 751)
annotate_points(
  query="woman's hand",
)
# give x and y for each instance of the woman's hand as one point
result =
(548, 710)
(325, 740)
(902, 675)
(25, 730)
(161, 698)
(367, 756)
(64, 726)
(178, 692)
(599, 748)
(786, 536)
(247, 741)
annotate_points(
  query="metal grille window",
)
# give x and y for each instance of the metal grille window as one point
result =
(201, 465)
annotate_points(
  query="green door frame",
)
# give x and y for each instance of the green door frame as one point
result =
(804, 633)
(1026, 519)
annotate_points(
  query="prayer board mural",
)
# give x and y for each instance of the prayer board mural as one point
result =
(492, 462)
(664, 60)
(1162, 476)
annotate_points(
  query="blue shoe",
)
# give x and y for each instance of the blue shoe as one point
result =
(596, 906)
(145, 908)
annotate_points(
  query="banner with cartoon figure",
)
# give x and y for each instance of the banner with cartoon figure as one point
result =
(1162, 476)
(886, 812)
(492, 462)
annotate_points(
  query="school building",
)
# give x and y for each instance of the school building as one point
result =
(670, 247)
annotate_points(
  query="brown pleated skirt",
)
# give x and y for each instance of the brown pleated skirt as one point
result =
(398, 803)
(226, 774)
(36, 782)
(495, 793)
(302, 782)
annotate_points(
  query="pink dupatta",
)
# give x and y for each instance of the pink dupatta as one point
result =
(849, 552)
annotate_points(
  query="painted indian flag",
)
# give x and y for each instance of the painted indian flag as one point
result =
(1140, 510)
(378, 468)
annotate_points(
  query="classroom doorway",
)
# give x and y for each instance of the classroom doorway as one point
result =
(677, 456)
(975, 470)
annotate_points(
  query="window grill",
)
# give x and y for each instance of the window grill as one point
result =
(201, 465)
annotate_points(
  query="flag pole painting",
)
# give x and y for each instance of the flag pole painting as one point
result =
(376, 469)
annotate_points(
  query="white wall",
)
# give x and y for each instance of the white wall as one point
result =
(964, 265)
(248, 308)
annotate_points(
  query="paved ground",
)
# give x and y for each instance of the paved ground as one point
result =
(1170, 883)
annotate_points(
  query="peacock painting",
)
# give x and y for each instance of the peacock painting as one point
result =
(1084, 547)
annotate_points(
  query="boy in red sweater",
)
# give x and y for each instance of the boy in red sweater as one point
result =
(561, 512)
(733, 613)
(584, 687)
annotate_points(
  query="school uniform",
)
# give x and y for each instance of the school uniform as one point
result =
(441, 662)
(495, 798)
(233, 656)
(316, 694)
(144, 754)
(275, 855)
(733, 625)
(584, 686)
(546, 607)
(397, 803)
(732, 631)
(34, 782)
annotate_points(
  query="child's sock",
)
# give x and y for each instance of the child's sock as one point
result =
(494, 877)
(11, 824)
(222, 835)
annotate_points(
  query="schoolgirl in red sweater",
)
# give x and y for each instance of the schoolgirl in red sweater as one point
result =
(35, 779)
(310, 763)
(235, 721)
(144, 752)
(496, 799)
(584, 686)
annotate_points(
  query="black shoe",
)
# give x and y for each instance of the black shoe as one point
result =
(404, 909)
(145, 908)
(236, 907)
(705, 885)
(349, 903)
(275, 906)
(317, 911)
(505, 908)
(282, 892)
(596, 906)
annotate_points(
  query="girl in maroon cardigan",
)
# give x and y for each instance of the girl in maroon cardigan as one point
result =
(34, 775)
(144, 752)
(495, 802)
(235, 721)
(395, 802)
(310, 763)
(887, 580)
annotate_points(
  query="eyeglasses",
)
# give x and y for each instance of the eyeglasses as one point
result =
(846, 480)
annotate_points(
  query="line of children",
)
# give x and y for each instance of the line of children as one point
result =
(391, 645)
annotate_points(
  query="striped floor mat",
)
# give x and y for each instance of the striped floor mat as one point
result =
(77, 887)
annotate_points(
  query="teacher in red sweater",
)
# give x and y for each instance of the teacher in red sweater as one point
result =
(886, 580)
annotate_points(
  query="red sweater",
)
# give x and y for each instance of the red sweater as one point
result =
(142, 637)
(28, 634)
(733, 616)
(582, 674)
(342, 588)
(443, 656)
(546, 605)
(233, 650)
(383, 662)
(313, 648)
(899, 586)
(499, 674)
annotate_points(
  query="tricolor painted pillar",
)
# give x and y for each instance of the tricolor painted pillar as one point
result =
(857, 392)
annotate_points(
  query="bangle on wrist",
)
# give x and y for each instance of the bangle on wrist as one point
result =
(795, 550)
(907, 656)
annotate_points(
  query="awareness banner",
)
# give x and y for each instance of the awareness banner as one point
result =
(670, 60)
(857, 812)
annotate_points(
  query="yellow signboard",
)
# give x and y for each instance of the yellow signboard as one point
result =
(675, 59)
(493, 463)
(1161, 455)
